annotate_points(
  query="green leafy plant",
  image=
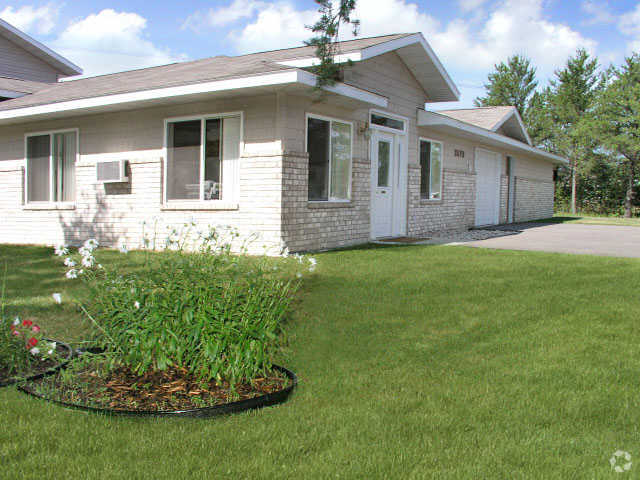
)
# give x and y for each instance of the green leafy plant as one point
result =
(214, 313)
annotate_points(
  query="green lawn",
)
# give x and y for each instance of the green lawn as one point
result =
(593, 220)
(414, 362)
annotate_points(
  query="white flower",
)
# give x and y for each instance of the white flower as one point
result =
(57, 298)
(35, 351)
(16, 322)
(72, 274)
(136, 305)
(299, 275)
(312, 261)
(123, 248)
(61, 250)
(69, 262)
(88, 261)
(91, 244)
(312, 268)
(80, 272)
(100, 266)
(52, 348)
(84, 251)
(285, 252)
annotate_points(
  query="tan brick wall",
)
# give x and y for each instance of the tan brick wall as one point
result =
(533, 199)
(504, 198)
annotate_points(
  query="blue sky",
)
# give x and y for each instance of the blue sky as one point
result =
(469, 36)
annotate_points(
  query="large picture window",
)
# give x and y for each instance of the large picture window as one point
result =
(51, 166)
(329, 148)
(202, 157)
(430, 170)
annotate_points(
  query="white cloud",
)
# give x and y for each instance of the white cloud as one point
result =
(111, 41)
(629, 25)
(218, 17)
(40, 20)
(598, 11)
(470, 5)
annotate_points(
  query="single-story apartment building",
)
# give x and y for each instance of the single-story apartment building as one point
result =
(248, 142)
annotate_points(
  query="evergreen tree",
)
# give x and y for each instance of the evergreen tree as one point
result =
(513, 83)
(615, 122)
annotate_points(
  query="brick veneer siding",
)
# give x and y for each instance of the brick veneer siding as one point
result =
(320, 226)
(533, 199)
(456, 210)
(114, 213)
(504, 198)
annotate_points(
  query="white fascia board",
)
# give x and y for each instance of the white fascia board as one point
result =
(427, 119)
(11, 94)
(513, 113)
(310, 79)
(45, 53)
(398, 43)
(307, 62)
(265, 80)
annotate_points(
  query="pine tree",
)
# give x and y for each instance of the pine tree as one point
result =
(615, 122)
(513, 83)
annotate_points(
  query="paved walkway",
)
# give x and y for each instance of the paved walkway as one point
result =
(605, 240)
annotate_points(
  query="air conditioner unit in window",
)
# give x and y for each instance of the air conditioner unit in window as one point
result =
(112, 171)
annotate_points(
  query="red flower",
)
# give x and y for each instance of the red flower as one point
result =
(27, 323)
(33, 342)
(35, 329)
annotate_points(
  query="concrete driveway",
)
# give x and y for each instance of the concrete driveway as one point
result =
(612, 241)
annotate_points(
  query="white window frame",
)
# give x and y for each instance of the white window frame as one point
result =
(51, 134)
(381, 113)
(441, 143)
(306, 149)
(225, 198)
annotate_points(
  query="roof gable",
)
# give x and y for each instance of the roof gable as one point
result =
(504, 120)
(64, 67)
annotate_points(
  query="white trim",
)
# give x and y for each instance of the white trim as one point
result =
(393, 116)
(12, 94)
(428, 119)
(166, 203)
(441, 143)
(504, 120)
(269, 79)
(42, 52)
(306, 62)
(51, 134)
(306, 149)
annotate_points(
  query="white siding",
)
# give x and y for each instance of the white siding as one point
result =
(16, 62)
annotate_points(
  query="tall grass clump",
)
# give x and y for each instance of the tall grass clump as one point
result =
(194, 306)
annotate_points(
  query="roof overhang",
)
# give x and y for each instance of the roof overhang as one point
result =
(61, 64)
(438, 122)
(292, 81)
(415, 52)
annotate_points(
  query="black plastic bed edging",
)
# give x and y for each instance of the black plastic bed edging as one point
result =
(46, 373)
(266, 400)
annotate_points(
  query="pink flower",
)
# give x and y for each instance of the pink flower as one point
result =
(16, 333)
(35, 329)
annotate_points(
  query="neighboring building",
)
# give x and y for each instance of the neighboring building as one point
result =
(246, 141)
(27, 66)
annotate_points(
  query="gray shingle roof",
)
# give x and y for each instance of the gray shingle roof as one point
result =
(22, 86)
(176, 74)
(484, 117)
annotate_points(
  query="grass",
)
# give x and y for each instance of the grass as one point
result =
(414, 362)
(562, 217)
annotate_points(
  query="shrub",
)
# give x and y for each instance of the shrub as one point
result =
(22, 346)
(213, 313)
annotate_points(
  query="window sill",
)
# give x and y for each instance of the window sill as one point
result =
(49, 206)
(199, 205)
(329, 204)
(430, 201)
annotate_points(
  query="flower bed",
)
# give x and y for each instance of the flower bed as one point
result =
(187, 329)
(25, 354)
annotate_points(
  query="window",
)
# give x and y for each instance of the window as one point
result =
(329, 148)
(51, 166)
(202, 158)
(387, 122)
(430, 170)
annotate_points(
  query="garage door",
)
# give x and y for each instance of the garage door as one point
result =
(487, 187)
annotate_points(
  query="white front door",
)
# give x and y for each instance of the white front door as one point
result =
(384, 158)
(488, 169)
